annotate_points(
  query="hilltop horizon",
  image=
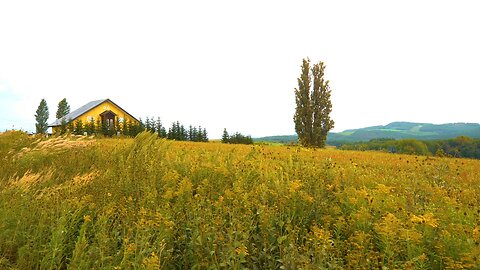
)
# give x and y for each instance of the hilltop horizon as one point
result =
(395, 130)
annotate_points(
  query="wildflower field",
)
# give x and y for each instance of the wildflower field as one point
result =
(147, 203)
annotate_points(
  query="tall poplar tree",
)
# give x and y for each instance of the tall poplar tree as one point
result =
(321, 106)
(63, 108)
(312, 97)
(41, 116)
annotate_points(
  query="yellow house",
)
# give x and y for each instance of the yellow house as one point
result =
(102, 111)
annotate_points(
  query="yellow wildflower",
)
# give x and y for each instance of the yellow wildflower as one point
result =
(152, 261)
(476, 233)
(242, 250)
(430, 220)
(294, 186)
(416, 219)
(427, 219)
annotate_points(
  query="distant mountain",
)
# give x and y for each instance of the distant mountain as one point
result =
(395, 130)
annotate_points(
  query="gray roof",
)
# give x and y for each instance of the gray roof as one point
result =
(71, 116)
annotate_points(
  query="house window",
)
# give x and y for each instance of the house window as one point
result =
(120, 120)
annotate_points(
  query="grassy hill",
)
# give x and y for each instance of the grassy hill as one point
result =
(395, 130)
(147, 203)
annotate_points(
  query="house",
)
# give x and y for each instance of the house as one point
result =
(102, 111)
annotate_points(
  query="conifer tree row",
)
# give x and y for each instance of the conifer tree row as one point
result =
(177, 131)
(128, 128)
(236, 138)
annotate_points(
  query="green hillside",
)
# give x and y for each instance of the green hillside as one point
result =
(395, 130)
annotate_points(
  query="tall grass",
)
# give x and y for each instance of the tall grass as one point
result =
(148, 203)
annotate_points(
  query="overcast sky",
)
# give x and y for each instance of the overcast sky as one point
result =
(235, 64)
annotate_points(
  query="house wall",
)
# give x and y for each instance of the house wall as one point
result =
(95, 113)
(105, 106)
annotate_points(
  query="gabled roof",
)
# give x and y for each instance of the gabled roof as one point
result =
(85, 108)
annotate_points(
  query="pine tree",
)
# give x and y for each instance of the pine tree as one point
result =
(195, 134)
(118, 126)
(150, 125)
(70, 126)
(172, 132)
(225, 137)
(137, 128)
(91, 127)
(163, 133)
(204, 135)
(125, 127)
(199, 134)
(99, 127)
(63, 108)
(63, 126)
(312, 114)
(182, 132)
(159, 128)
(191, 136)
(41, 117)
(78, 129)
(147, 124)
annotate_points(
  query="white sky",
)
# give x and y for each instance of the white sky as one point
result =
(234, 64)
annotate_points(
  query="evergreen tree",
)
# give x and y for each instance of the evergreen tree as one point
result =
(225, 136)
(41, 117)
(312, 114)
(204, 135)
(63, 126)
(70, 126)
(99, 127)
(236, 138)
(147, 123)
(63, 108)
(118, 126)
(150, 125)
(199, 134)
(182, 132)
(163, 132)
(107, 130)
(91, 127)
(178, 131)
(78, 129)
(172, 132)
(195, 134)
(125, 127)
(159, 128)
(137, 128)
(190, 134)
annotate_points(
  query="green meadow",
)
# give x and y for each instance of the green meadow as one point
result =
(75, 202)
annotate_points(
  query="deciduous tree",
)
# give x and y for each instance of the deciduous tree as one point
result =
(312, 97)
